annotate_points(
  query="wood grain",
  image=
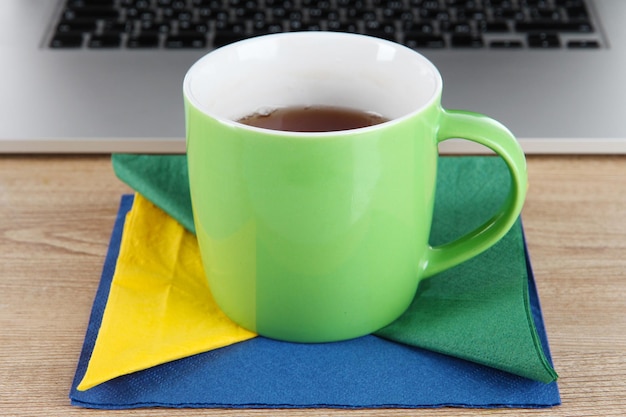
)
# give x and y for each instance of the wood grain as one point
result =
(57, 212)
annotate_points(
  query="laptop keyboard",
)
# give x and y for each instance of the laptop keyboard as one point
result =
(206, 24)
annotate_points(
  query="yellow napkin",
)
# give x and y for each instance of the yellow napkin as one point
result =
(159, 273)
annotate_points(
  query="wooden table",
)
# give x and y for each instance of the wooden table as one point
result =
(57, 212)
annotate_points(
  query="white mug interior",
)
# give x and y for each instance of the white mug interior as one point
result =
(312, 69)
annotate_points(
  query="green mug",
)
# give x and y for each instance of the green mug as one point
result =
(324, 236)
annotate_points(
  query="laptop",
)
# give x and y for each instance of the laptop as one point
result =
(101, 76)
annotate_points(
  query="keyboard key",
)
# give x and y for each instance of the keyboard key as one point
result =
(353, 4)
(207, 14)
(457, 27)
(430, 4)
(576, 10)
(189, 27)
(509, 14)
(361, 14)
(583, 44)
(294, 26)
(499, 26)
(545, 15)
(76, 26)
(397, 14)
(280, 12)
(263, 28)
(185, 41)
(471, 14)
(286, 4)
(136, 4)
(230, 27)
(506, 44)
(337, 26)
(318, 15)
(212, 4)
(140, 14)
(464, 40)
(144, 40)
(104, 41)
(390, 4)
(570, 3)
(87, 3)
(91, 13)
(375, 25)
(435, 15)
(156, 27)
(549, 26)
(322, 4)
(67, 40)
(250, 14)
(543, 40)
(312, 27)
(422, 40)
(181, 4)
(117, 27)
(418, 27)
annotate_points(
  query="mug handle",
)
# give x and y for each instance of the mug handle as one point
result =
(490, 133)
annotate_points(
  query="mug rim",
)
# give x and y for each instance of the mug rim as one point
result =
(192, 100)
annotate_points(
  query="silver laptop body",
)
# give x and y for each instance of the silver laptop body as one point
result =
(122, 100)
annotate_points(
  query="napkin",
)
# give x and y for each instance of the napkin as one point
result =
(365, 372)
(478, 311)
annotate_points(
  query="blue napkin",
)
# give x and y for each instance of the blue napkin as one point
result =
(369, 372)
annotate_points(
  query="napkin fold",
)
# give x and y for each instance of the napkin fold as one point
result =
(478, 311)
(159, 307)
(366, 372)
(163, 179)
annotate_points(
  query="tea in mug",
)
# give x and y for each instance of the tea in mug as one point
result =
(313, 119)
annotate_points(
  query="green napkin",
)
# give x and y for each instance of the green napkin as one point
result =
(478, 311)
(162, 179)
